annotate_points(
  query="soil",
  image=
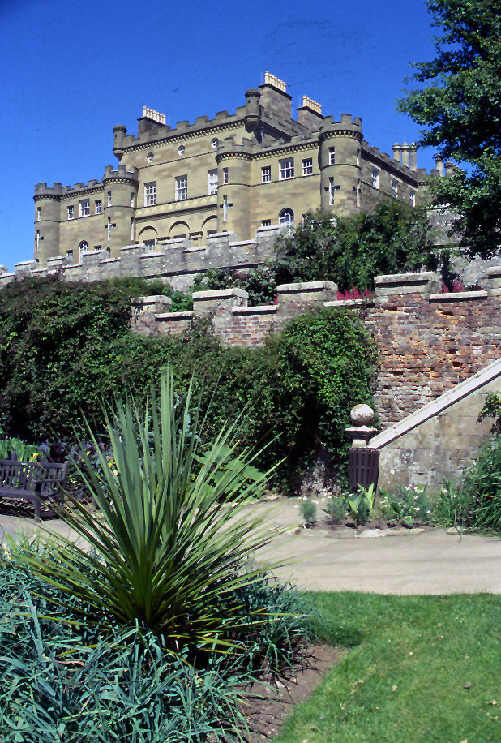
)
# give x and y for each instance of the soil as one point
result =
(268, 704)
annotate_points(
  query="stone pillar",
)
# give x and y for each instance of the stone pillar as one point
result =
(424, 283)
(361, 430)
(211, 300)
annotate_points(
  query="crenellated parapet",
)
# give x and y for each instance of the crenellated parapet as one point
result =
(174, 260)
(57, 190)
(121, 174)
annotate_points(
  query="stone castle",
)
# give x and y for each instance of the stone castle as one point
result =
(235, 174)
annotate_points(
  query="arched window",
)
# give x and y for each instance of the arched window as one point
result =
(286, 220)
(148, 236)
(83, 248)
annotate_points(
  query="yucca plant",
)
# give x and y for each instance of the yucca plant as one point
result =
(169, 543)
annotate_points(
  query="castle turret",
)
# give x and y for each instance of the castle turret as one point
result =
(234, 179)
(47, 216)
(119, 134)
(252, 114)
(120, 199)
(340, 163)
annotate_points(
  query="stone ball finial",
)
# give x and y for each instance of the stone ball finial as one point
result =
(362, 415)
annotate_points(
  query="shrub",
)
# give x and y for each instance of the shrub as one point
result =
(353, 250)
(481, 487)
(165, 546)
(95, 681)
(260, 284)
(66, 348)
(308, 512)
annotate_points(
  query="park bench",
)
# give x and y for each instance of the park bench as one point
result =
(32, 481)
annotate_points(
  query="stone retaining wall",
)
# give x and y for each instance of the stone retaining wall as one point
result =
(428, 341)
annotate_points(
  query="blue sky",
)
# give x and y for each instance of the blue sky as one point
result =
(74, 70)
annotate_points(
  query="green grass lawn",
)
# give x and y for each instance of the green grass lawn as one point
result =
(405, 679)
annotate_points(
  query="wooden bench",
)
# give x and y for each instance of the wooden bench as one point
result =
(32, 481)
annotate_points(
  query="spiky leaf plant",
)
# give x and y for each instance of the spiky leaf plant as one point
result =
(169, 542)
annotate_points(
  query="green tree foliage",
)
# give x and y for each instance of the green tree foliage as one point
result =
(64, 349)
(353, 250)
(459, 105)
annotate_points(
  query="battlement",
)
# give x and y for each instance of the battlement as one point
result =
(175, 260)
(346, 122)
(121, 172)
(57, 190)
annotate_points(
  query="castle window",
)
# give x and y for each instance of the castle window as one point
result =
(70, 212)
(226, 175)
(149, 243)
(308, 166)
(412, 198)
(133, 200)
(181, 150)
(286, 220)
(37, 241)
(266, 223)
(181, 192)
(39, 214)
(214, 143)
(287, 168)
(212, 182)
(97, 247)
(99, 206)
(149, 157)
(266, 174)
(332, 189)
(375, 178)
(84, 208)
(83, 248)
(110, 200)
(150, 193)
(394, 188)
(332, 155)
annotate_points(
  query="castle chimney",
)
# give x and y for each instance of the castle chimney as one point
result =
(309, 114)
(405, 154)
(274, 97)
(396, 152)
(439, 165)
(413, 156)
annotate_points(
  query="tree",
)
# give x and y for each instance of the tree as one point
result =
(353, 250)
(459, 104)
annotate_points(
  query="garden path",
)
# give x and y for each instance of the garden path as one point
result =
(430, 561)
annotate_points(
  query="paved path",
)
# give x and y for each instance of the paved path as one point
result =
(429, 562)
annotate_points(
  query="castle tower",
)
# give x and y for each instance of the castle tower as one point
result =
(120, 199)
(47, 216)
(340, 164)
(234, 179)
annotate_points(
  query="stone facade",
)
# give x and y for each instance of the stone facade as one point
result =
(428, 342)
(231, 174)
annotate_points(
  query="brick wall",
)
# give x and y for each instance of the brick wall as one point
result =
(427, 341)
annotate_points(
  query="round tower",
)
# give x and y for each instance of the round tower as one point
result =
(120, 200)
(47, 218)
(234, 180)
(340, 164)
